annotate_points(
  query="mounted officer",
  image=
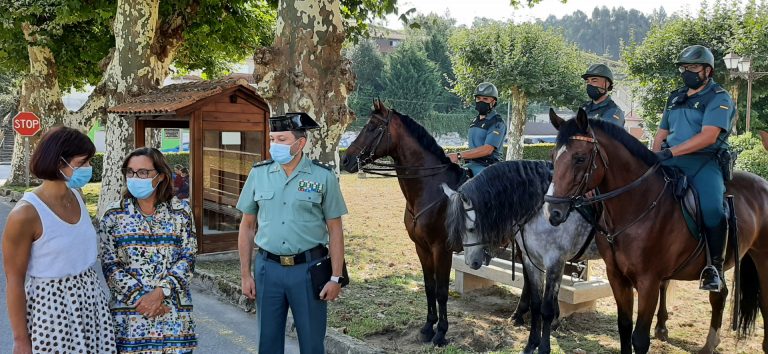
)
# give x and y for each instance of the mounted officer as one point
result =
(486, 133)
(692, 134)
(599, 81)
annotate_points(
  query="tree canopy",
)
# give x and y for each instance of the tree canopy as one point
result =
(722, 26)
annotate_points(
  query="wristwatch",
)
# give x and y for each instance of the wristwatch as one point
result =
(458, 156)
(336, 280)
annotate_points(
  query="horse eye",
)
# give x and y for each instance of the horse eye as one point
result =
(580, 160)
(471, 229)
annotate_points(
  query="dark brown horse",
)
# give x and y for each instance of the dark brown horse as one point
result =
(645, 239)
(421, 166)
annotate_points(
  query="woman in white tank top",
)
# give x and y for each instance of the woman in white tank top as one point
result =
(61, 307)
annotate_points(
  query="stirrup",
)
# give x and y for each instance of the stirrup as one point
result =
(709, 287)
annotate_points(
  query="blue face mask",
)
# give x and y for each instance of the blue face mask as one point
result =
(281, 152)
(80, 175)
(141, 188)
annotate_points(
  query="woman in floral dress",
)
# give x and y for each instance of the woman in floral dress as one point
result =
(148, 250)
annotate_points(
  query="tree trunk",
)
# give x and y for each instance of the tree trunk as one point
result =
(39, 94)
(304, 71)
(517, 124)
(138, 65)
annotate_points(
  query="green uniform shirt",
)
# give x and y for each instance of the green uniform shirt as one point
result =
(685, 116)
(606, 110)
(291, 210)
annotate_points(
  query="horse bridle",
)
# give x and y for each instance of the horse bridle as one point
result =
(366, 157)
(579, 198)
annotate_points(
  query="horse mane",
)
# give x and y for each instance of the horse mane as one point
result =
(505, 196)
(423, 137)
(570, 128)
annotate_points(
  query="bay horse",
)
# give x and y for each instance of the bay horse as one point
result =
(505, 202)
(644, 239)
(420, 165)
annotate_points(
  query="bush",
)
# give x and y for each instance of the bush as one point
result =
(754, 160)
(530, 152)
(744, 142)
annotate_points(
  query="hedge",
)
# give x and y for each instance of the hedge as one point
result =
(752, 156)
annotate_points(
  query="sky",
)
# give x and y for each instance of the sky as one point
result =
(464, 11)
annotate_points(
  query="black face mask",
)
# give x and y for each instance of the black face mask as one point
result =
(595, 92)
(482, 107)
(691, 79)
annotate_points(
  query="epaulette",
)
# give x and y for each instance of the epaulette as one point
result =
(262, 163)
(718, 89)
(323, 165)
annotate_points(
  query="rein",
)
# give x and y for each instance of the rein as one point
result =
(365, 158)
(579, 199)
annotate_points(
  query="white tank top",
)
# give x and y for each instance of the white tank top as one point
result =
(64, 249)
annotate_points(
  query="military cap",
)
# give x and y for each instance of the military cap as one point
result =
(292, 121)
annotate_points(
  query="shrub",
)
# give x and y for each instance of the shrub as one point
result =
(754, 160)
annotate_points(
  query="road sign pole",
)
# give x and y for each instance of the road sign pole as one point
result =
(26, 160)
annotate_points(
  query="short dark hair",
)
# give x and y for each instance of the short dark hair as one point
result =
(164, 190)
(298, 134)
(59, 144)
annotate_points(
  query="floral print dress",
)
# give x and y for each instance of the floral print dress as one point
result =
(140, 253)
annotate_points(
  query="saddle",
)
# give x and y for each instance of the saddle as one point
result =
(688, 197)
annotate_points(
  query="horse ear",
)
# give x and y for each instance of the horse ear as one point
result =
(447, 190)
(582, 120)
(376, 104)
(555, 119)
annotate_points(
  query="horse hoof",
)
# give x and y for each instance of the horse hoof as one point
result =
(518, 321)
(426, 335)
(439, 340)
(662, 334)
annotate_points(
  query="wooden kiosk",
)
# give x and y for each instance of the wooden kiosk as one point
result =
(228, 132)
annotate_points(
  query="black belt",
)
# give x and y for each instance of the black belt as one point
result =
(299, 258)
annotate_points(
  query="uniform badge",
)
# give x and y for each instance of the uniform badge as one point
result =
(310, 186)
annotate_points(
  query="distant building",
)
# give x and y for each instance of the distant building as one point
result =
(387, 40)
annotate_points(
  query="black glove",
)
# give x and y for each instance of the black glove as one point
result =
(664, 155)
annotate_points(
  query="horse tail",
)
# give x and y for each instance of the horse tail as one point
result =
(455, 221)
(748, 295)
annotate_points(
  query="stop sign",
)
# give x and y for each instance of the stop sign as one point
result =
(26, 124)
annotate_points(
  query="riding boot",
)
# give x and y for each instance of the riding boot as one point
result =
(712, 277)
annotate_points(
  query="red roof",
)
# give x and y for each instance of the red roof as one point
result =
(171, 98)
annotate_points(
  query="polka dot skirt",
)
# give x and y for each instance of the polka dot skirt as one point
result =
(69, 315)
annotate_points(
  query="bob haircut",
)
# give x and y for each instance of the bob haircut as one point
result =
(164, 190)
(59, 144)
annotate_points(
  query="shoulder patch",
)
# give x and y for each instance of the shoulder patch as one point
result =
(262, 163)
(323, 165)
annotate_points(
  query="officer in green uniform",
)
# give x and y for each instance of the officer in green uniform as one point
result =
(486, 133)
(693, 129)
(296, 205)
(599, 81)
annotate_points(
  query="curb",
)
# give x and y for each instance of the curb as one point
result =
(229, 292)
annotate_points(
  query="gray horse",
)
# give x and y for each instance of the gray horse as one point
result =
(506, 199)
